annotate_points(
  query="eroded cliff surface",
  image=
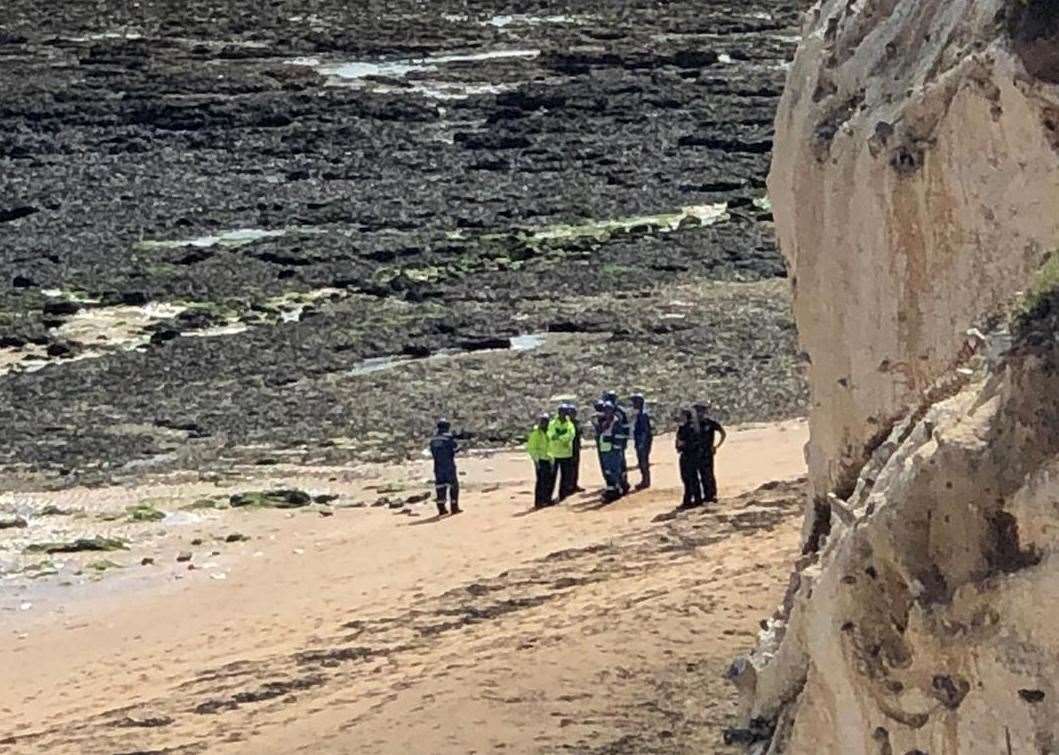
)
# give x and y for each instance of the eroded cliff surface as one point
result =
(916, 194)
(915, 187)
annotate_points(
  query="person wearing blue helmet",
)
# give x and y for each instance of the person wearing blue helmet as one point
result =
(443, 448)
(612, 439)
(620, 439)
(642, 437)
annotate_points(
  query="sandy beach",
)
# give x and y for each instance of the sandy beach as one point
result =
(377, 629)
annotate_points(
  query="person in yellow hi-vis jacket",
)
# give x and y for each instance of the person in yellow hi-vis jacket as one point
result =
(561, 432)
(537, 447)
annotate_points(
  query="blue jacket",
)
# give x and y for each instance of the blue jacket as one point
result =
(443, 448)
(642, 431)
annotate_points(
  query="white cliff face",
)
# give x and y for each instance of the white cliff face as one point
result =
(928, 623)
(915, 187)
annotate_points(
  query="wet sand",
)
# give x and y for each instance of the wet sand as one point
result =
(583, 628)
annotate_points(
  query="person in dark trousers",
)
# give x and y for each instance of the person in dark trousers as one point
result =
(571, 412)
(688, 452)
(642, 438)
(537, 447)
(443, 448)
(612, 440)
(561, 449)
(708, 430)
(597, 429)
(620, 439)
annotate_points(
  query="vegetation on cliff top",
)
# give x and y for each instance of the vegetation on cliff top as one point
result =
(1037, 315)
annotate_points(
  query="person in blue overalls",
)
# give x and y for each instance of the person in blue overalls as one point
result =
(621, 440)
(443, 448)
(612, 440)
(642, 437)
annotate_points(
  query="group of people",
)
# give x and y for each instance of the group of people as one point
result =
(554, 446)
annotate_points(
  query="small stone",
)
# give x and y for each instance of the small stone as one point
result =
(183, 556)
(236, 537)
(147, 561)
(61, 308)
(60, 349)
(197, 541)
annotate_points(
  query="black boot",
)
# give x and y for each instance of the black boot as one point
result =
(442, 511)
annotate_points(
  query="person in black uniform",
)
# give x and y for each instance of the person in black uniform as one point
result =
(708, 430)
(688, 451)
(443, 448)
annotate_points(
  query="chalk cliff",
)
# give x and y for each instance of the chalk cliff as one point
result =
(915, 187)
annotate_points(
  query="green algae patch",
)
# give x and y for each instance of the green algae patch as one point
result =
(102, 565)
(40, 569)
(52, 510)
(79, 545)
(144, 512)
(271, 499)
(206, 504)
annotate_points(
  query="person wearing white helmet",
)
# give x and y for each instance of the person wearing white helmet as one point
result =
(543, 464)
(561, 436)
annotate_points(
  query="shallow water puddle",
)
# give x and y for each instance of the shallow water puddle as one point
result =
(528, 342)
(521, 343)
(507, 20)
(449, 90)
(398, 68)
(706, 214)
(231, 239)
(354, 73)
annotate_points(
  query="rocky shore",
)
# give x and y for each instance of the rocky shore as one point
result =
(233, 235)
